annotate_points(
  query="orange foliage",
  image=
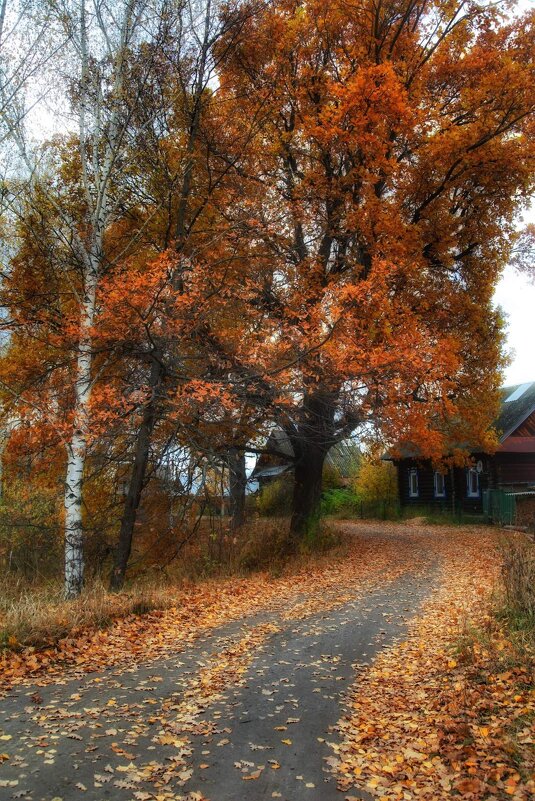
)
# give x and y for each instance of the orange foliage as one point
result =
(378, 197)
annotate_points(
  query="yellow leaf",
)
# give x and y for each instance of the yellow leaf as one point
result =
(252, 776)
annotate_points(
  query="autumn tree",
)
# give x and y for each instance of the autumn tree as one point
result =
(81, 194)
(185, 168)
(289, 213)
(375, 213)
(376, 481)
(176, 189)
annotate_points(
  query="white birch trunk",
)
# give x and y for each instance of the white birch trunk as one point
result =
(77, 447)
(98, 36)
(97, 194)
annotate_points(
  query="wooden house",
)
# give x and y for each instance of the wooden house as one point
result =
(511, 468)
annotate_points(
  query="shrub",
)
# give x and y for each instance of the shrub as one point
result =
(376, 482)
(30, 538)
(340, 502)
(275, 499)
(332, 477)
(518, 572)
(264, 546)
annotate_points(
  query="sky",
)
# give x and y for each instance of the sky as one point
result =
(516, 296)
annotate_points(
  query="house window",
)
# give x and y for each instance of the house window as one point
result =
(413, 483)
(472, 483)
(440, 485)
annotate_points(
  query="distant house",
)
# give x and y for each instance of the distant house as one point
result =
(511, 468)
(278, 458)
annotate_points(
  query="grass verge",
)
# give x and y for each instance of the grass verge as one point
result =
(35, 615)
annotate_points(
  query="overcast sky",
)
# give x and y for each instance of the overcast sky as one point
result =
(516, 296)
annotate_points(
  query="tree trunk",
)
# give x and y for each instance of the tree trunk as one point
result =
(137, 481)
(77, 447)
(74, 539)
(306, 498)
(311, 440)
(238, 483)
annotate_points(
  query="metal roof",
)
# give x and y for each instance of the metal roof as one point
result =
(518, 402)
(269, 472)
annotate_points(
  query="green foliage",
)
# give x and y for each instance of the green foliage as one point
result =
(340, 502)
(275, 499)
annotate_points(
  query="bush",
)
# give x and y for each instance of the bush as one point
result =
(376, 482)
(264, 547)
(340, 503)
(30, 538)
(332, 477)
(275, 499)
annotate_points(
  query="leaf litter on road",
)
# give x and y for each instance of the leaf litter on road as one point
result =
(389, 748)
(423, 722)
(366, 562)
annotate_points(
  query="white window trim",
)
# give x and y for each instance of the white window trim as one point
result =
(435, 479)
(469, 491)
(413, 471)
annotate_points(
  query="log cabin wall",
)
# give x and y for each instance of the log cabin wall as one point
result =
(455, 482)
(515, 459)
(511, 468)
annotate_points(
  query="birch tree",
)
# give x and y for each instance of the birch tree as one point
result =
(98, 38)
(101, 141)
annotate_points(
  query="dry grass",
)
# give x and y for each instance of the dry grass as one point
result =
(39, 615)
(519, 576)
(36, 614)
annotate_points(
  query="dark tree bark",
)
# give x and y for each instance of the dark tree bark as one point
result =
(137, 480)
(238, 483)
(306, 498)
(311, 440)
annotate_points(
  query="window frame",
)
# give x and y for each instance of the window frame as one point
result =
(470, 493)
(436, 493)
(413, 473)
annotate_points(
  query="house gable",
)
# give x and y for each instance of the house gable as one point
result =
(517, 405)
(522, 439)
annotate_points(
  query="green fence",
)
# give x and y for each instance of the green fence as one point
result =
(499, 507)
